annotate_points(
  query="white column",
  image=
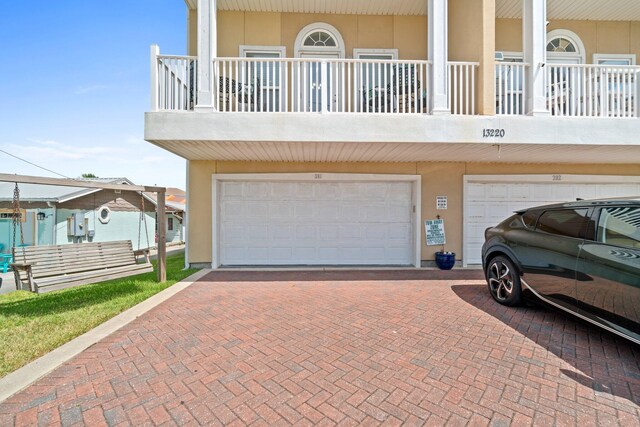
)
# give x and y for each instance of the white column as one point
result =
(534, 38)
(155, 51)
(207, 52)
(438, 55)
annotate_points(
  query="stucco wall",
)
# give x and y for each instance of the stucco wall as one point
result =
(438, 179)
(597, 36)
(471, 38)
(408, 34)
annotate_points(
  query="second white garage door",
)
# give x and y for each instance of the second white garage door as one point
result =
(488, 200)
(315, 223)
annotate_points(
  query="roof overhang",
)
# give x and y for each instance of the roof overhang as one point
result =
(592, 10)
(600, 10)
(350, 7)
(398, 138)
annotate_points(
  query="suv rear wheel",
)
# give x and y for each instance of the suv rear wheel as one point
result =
(504, 281)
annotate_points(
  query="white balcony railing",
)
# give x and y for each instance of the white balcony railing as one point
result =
(592, 90)
(302, 85)
(462, 87)
(510, 88)
(176, 82)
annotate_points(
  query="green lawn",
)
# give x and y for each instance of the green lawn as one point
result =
(32, 325)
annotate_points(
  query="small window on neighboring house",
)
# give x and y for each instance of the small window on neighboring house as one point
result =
(170, 224)
(104, 214)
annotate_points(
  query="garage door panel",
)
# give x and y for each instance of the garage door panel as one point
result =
(256, 190)
(326, 191)
(305, 232)
(399, 191)
(232, 190)
(256, 232)
(254, 252)
(233, 209)
(280, 232)
(284, 253)
(283, 223)
(348, 211)
(305, 191)
(328, 211)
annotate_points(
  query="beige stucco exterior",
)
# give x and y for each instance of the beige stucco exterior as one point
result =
(474, 35)
(438, 179)
(597, 36)
(476, 44)
(408, 34)
(481, 36)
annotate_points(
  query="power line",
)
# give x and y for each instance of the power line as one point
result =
(33, 164)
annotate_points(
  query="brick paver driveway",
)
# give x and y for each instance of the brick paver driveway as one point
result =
(346, 348)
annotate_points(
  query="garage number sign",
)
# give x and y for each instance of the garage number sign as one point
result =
(434, 230)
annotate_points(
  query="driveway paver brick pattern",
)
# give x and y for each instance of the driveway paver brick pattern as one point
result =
(345, 348)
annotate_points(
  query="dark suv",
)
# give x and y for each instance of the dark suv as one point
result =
(582, 257)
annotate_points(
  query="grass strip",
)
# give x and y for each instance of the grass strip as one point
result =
(32, 325)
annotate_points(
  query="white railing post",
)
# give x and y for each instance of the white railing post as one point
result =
(636, 92)
(324, 87)
(155, 51)
(534, 36)
(438, 55)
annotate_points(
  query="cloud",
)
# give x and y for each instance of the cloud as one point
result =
(128, 156)
(46, 149)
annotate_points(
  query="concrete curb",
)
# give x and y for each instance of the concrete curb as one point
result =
(25, 376)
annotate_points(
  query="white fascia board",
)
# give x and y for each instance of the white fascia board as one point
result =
(77, 195)
(397, 128)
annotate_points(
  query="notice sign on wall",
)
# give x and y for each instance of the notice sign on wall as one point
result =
(441, 202)
(434, 230)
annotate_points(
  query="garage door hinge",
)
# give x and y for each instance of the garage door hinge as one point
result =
(414, 208)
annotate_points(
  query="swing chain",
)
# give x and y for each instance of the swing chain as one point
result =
(143, 219)
(17, 220)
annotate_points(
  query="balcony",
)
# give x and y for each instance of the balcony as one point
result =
(596, 91)
(297, 85)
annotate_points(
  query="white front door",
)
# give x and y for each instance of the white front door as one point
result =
(315, 74)
(270, 222)
(488, 203)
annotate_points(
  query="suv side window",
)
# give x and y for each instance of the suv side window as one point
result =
(530, 218)
(620, 226)
(563, 222)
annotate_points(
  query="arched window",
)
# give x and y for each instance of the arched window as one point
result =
(319, 40)
(561, 44)
(564, 46)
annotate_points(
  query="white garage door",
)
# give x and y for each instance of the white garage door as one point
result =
(488, 203)
(315, 223)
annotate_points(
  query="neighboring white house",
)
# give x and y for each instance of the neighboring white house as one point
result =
(175, 205)
(56, 215)
(328, 132)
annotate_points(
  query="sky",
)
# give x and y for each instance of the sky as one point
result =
(74, 87)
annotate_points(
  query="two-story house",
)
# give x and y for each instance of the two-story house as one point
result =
(327, 132)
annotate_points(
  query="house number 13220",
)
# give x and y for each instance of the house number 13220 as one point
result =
(493, 133)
